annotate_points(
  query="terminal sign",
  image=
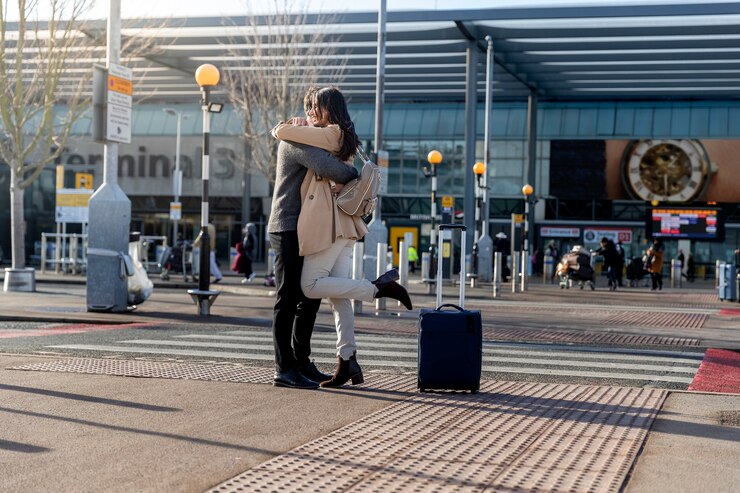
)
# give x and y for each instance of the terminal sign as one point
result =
(119, 101)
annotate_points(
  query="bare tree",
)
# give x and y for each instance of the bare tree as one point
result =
(280, 54)
(38, 105)
(45, 87)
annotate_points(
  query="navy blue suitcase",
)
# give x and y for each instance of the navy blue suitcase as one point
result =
(450, 338)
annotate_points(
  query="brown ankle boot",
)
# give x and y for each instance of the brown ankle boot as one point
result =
(347, 369)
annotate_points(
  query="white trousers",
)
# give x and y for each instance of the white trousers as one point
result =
(215, 271)
(326, 274)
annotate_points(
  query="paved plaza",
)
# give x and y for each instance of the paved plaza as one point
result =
(183, 403)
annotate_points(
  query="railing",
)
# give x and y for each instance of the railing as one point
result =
(70, 252)
(150, 258)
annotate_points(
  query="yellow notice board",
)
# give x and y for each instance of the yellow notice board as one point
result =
(396, 237)
(71, 206)
(84, 180)
(118, 84)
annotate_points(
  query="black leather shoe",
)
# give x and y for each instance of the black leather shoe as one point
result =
(293, 379)
(310, 371)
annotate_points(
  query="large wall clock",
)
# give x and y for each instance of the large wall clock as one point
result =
(666, 170)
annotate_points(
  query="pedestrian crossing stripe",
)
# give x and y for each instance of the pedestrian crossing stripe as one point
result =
(401, 352)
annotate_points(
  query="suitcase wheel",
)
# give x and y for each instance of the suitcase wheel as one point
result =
(474, 391)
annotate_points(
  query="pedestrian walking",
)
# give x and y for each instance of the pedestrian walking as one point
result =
(501, 244)
(655, 259)
(215, 271)
(611, 260)
(690, 268)
(413, 258)
(619, 269)
(245, 252)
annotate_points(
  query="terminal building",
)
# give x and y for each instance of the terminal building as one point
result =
(607, 121)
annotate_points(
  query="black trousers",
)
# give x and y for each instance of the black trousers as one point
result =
(294, 315)
(657, 278)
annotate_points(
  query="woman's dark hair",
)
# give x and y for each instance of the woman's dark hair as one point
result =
(308, 98)
(331, 100)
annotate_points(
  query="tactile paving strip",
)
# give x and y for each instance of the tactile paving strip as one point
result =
(191, 371)
(658, 319)
(155, 369)
(583, 337)
(560, 336)
(509, 437)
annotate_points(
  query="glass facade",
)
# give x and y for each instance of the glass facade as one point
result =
(411, 130)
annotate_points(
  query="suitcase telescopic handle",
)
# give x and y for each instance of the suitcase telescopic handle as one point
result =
(463, 229)
(449, 305)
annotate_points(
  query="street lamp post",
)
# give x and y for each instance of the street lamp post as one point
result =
(479, 169)
(434, 158)
(207, 76)
(177, 178)
(527, 191)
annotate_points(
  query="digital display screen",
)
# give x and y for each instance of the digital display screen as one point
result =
(686, 223)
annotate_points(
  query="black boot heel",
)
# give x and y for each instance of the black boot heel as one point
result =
(355, 370)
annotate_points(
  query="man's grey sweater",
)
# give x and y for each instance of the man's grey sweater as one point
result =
(293, 162)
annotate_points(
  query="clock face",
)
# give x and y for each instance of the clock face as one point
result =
(665, 170)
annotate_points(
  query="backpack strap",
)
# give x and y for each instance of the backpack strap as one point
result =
(362, 154)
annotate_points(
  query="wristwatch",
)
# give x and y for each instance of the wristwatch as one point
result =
(666, 170)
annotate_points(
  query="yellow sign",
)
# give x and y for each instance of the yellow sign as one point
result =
(396, 236)
(67, 198)
(84, 180)
(60, 176)
(518, 218)
(448, 201)
(175, 211)
(446, 249)
(117, 84)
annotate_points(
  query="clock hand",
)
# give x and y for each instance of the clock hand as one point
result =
(665, 184)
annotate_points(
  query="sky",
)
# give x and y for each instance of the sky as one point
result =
(201, 8)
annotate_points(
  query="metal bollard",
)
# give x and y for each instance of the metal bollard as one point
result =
(548, 270)
(514, 271)
(425, 259)
(716, 274)
(358, 252)
(73, 254)
(497, 269)
(380, 269)
(524, 269)
(43, 253)
(675, 273)
(403, 263)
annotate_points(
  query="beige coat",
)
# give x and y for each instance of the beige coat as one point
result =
(211, 238)
(320, 222)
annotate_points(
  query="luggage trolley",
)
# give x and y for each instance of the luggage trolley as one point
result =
(177, 259)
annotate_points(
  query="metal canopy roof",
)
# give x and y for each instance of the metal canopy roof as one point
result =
(683, 51)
